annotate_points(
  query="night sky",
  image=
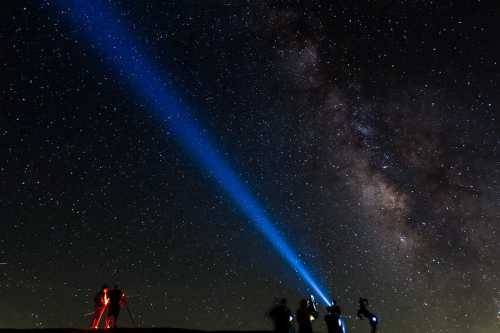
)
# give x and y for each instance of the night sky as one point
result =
(370, 134)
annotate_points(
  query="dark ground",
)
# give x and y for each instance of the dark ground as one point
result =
(119, 330)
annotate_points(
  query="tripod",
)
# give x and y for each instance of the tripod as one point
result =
(130, 314)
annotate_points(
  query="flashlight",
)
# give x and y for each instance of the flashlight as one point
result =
(312, 303)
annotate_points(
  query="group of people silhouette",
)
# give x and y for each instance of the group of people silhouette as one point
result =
(283, 318)
(113, 300)
(281, 315)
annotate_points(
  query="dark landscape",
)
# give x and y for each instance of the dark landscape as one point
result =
(119, 330)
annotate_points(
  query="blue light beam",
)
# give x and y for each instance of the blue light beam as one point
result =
(108, 36)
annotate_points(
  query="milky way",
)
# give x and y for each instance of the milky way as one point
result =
(370, 133)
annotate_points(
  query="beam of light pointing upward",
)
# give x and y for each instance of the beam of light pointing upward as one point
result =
(111, 40)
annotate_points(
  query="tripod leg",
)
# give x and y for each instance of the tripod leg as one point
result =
(130, 315)
(97, 321)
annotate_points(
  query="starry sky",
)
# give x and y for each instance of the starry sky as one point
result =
(370, 133)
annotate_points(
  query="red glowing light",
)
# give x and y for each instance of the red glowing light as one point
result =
(104, 302)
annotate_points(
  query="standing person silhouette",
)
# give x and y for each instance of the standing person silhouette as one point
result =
(281, 316)
(333, 319)
(305, 314)
(100, 302)
(116, 301)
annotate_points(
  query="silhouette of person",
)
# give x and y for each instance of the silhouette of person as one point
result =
(333, 319)
(100, 303)
(281, 316)
(116, 300)
(305, 314)
(363, 311)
